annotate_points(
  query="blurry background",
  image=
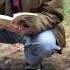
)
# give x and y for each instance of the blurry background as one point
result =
(56, 62)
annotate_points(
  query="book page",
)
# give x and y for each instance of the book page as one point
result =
(24, 13)
(4, 20)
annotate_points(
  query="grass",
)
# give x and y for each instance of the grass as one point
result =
(67, 7)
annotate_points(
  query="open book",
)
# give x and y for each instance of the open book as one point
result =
(7, 19)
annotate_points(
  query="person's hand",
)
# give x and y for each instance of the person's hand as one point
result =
(2, 26)
(12, 28)
(14, 49)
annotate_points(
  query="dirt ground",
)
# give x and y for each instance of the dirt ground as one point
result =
(56, 62)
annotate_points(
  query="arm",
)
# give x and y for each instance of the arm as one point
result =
(47, 17)
(51, 13)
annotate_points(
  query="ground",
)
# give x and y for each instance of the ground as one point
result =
(56, 62)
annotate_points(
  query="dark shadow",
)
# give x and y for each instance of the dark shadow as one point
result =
(7, 37)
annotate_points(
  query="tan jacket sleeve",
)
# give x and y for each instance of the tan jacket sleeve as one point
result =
(51, 13)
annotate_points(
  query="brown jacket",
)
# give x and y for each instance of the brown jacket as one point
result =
(50, 12)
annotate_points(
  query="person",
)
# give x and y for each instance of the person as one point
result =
(49, 17)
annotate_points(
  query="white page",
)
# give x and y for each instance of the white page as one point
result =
(24, 13)
(4, 20)
(7, 19)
